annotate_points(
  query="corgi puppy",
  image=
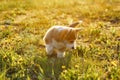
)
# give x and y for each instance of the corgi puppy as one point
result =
(59, 38)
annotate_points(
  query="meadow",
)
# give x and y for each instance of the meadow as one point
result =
(23, 24)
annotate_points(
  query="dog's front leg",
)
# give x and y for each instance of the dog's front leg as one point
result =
(60, 54)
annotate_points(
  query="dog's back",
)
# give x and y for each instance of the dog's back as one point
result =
(54, 32)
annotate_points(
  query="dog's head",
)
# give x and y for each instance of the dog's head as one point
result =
(70, 38)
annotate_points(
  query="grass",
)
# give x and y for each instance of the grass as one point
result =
(24, 23)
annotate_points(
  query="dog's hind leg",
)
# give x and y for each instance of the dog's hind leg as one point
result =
(49, 49)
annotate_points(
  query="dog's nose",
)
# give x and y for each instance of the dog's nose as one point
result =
(72, 47)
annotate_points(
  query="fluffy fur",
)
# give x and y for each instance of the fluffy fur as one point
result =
(58, 38)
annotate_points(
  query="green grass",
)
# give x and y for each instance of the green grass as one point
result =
(23, 24)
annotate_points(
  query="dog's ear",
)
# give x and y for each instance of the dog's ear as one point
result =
(75, 24)
(77, 29)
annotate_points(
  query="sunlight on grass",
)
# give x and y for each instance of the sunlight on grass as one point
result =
(23, 24)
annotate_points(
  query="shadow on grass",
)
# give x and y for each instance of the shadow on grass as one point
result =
(51, 68)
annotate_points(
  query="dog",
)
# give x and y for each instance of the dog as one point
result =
(59, 38)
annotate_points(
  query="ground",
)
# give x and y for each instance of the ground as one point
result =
(23, 24)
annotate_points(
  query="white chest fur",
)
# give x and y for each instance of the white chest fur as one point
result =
(58, 45)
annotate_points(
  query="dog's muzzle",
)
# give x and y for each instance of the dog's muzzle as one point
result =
(73, 48)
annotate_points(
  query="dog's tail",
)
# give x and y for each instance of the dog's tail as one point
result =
(75, 23)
